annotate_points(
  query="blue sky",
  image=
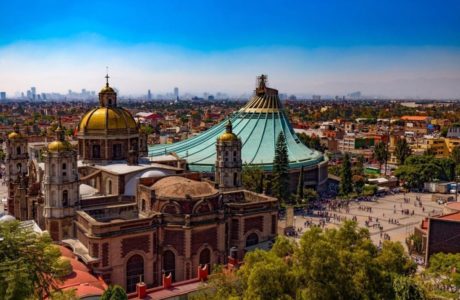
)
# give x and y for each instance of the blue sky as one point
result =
(395, 48)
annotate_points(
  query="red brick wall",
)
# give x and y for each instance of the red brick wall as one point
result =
(200, 237)
(254, 223)
(443, 236)
(235, 229)
(135, 243)
(105, 254)
(175, 238)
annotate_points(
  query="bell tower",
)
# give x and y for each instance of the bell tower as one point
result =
(228, 161)
(61, 187)
(107, 96)
(16, 162)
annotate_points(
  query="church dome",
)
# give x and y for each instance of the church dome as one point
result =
(14, 135)
(58, 146)
(107, 89)
(107, 118)
(181, 187)
(228, 135)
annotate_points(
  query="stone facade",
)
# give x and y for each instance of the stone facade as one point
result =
(61, 188)
(174, 235)
(130, 219)
(16, 163)
(228, 160)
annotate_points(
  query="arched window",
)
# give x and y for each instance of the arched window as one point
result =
(143, 205)
(117, 152)
(169, 263)
(18, 150)
(64, 169)
(205, 258)
(53, 198)
(134, 272)
(96, 151)
(65, 198)
(252, 239)
(109, 187)
(110, 101)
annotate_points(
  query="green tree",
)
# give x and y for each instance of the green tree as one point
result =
(447, 266)
(402, 150)
(312, 142)
(420, 169)
(280, 170)
(29, 263)
(114, 292)
(358, 183)
(346, 186)
(380, 153)
(253, 178)
(455, 155)
(407, 289)
(147, 129)
(327, 264)
(358, 168)
(309, 195)
(2, 155)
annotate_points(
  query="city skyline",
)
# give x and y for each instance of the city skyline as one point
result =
(388, 50)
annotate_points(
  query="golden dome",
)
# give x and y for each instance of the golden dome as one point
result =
(228, 136)
(107, 118)
(58, 146)
(14, 135)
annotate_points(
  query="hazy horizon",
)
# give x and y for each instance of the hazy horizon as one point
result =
(393, 50)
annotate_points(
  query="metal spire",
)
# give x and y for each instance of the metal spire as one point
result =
(107, 76)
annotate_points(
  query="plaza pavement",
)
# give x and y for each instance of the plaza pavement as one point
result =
(383, 208)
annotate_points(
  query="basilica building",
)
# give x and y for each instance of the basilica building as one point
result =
(131, 218)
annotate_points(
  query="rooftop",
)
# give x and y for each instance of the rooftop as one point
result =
(180, 187)
(258, 125)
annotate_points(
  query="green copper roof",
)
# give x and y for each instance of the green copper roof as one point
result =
(258, 125)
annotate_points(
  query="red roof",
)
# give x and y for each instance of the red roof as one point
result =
(79, 279)
(453, 205)
(86, 290)
(414, 118)
(451, 217)
(176, 290)
(66, 252)
(425, 224)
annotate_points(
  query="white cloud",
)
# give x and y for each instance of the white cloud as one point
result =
(80, 63)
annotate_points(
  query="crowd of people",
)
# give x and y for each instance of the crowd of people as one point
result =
(335, 211)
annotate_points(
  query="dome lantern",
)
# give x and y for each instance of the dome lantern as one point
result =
(107, 95)
(228, 135)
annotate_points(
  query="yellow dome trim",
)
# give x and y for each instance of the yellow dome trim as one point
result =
(58, 146)
(106, 118)
(228, 136)
(14, 135)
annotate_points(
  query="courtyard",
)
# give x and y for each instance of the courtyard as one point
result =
(391, 217)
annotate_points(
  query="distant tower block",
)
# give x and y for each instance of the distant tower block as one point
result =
(228, 162)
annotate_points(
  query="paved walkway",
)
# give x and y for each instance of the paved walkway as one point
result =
(386, 217)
